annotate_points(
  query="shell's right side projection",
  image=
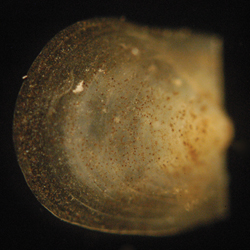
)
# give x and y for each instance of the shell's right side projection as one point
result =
(122, 128)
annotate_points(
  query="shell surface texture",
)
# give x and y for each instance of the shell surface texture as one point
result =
(121, 128)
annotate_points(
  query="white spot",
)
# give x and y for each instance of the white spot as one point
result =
(24, 77)
(104, 111)
(100, 70)
(79, 88)
(87, 70)
(135, 51)
(156, 125)
(177, 81)
(117, 119)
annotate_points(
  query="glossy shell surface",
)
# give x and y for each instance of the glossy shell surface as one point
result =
(122, 129)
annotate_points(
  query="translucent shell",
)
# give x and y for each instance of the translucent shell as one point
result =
(122, 129)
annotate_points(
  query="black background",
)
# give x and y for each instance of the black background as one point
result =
(26, 26)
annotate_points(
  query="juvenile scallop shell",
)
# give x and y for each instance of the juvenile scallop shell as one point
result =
(122, 129)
